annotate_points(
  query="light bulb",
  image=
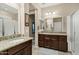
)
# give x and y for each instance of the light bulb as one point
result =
(49, 13)
(53, 12)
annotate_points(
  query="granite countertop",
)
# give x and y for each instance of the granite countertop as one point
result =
(55, 33)
(6, 44)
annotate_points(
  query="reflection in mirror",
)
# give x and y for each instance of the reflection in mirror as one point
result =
(8, 20)
(57, 24)
(51, 24)
(41, 24)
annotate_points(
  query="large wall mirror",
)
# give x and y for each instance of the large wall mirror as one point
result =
(8, 20)
(52, 24)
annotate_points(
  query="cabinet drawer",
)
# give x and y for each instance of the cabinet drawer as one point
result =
(63, 38)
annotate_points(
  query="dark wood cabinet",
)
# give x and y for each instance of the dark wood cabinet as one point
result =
(63, 43)
(57, 42)
(21, 49)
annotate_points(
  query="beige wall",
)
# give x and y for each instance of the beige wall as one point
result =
(61, 10)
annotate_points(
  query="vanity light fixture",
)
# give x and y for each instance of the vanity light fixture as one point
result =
(49, 13)
(54, 13)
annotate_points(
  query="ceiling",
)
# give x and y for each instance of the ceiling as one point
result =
(43, 5)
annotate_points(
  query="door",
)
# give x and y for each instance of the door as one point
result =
(75, 33)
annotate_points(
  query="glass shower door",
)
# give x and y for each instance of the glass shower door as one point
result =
(75, 33)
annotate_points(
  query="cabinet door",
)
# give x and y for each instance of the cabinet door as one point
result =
(28, 50)
(47, 41)
(63, 43)
(41, 43)
(41, 40)
(15, 49)
(54, 42)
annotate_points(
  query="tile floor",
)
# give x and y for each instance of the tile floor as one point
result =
(45, 51)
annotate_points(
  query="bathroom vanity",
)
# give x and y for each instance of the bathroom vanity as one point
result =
(16, 47)
(57, 41)
(53, 34)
